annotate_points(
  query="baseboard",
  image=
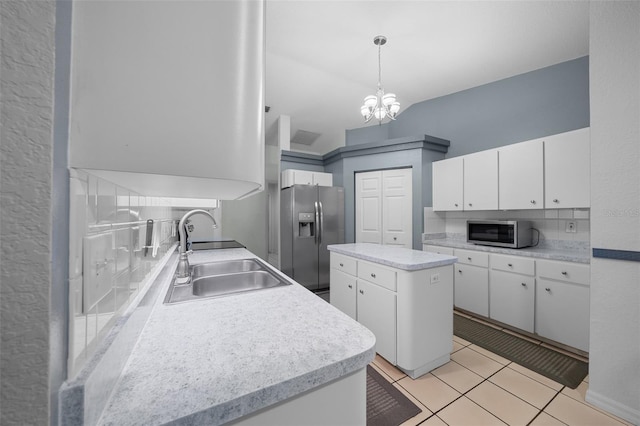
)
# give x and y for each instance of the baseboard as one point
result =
(609, 405)
(424, 369)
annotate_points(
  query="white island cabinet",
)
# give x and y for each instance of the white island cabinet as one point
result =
(167, 98)
(404, 296)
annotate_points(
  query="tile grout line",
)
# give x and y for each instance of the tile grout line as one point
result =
(484, 379)
(546, 405)
(434, 413)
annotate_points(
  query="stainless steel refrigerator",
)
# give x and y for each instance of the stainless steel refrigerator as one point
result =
(311, 217)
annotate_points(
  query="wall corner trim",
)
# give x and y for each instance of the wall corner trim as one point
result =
(628, 255)
(302, 157)
(425, 142)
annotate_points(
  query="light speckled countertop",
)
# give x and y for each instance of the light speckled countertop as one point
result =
(577, 252)
(214, 360)
(396, 257)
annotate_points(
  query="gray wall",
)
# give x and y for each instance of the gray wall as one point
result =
(371, 133)
(527, 106)
(247, 222)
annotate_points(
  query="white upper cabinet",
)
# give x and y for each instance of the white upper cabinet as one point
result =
(481, 181)
(447, 176)
(167, 98)
(551, 172)
(521, 172)
(567, 169)
(303, 177)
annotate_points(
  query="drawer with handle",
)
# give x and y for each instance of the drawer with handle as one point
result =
(470, 257)
(564, 271)
(377, 274)
(437, 249)
(346, 264)
(515, 264)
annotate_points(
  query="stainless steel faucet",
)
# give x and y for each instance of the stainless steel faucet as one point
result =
(182, 272)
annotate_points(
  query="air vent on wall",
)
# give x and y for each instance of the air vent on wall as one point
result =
(303, 137)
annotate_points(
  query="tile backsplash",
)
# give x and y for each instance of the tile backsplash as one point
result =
(551, 223)
(116, 239)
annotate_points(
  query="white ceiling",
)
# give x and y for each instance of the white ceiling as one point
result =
(321, 60)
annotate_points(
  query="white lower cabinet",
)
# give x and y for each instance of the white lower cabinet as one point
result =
(343, 292)
(471, 282)
(409, 312)
(376, 310)
(544, 297)
(471, 289)
(512, 299)
(512, 291)
(562, 303)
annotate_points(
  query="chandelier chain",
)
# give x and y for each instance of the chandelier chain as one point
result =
(379, 66)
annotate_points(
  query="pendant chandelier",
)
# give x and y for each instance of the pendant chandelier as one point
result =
(380, 105)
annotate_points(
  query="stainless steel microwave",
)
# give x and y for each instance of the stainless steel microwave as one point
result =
(500, 233)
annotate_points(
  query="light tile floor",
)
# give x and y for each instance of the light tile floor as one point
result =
(478, 387)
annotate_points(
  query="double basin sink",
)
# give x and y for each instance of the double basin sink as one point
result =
(223, 278)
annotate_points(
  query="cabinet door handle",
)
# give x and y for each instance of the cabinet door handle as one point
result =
(373, 275)
(361, 291)
(547, 289)
(533, 201)
(468, 258)
(395, 238)
(564, 273)
(470, 204)
(523, 284)
(456, 204)
(459, 271)
(342, 264)
(555, 200)
(510, 265)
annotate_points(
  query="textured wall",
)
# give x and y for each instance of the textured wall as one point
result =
(25, 183)
(614, 353)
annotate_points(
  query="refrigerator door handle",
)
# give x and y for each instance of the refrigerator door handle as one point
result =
(321, 224)
(317, 209)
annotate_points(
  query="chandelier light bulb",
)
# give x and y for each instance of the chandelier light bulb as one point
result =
(371, 101)
(380, 105)
(388, 99)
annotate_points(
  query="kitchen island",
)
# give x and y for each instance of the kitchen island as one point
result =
(404, 296)
(274, 356)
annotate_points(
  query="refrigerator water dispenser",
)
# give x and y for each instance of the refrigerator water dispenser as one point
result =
(306, 225)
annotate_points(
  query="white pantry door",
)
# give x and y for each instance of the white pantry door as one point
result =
(396, 208)
(383, 207)
(369, 207)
